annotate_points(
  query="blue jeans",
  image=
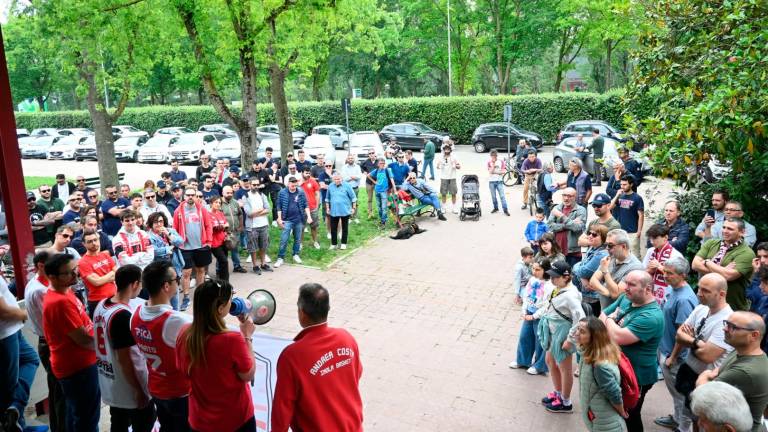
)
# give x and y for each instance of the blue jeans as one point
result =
(81, 390)
(243, 240)
(428, 163)
(18, 363)
(543, 205)
(381, 203)
(528, 346)
(431, 200)
(173, 414)
(498, 187)
(290, 227)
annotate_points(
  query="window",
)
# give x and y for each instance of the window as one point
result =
(396, 128)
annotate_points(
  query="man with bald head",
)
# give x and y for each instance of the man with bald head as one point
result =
(746, 367)
(636, 323)
(702, 336)
(567, 221)
(231, 208)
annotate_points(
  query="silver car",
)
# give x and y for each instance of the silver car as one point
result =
(567, 149)
(339, 134)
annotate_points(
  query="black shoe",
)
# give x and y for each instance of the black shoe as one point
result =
(524, 206)
(506, 212)
(495, 210)
(441, 217)
(257, 270)
(11, 421)
(239, 269)
(266, 268)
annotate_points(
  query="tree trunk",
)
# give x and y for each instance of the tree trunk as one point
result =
(316, 81)
(249, 122)
(608, 60)
(282, 114)
(102, 126)
(41, 102)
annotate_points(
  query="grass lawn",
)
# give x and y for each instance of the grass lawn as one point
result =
(359, 234)
(35, 182)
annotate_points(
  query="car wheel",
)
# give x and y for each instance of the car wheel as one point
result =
(135, 157)
(78, 159)
(480, 147)
(345, 145)
(558, 163)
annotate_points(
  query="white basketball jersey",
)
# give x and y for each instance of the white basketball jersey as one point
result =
(115, 390)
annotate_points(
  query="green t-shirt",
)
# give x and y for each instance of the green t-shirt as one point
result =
(747, 373)
(647, 324)
(741, 256)
(429, 150)
(54, 205)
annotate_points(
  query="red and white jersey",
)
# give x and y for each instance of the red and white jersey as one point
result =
(155, 329)
(115, 388)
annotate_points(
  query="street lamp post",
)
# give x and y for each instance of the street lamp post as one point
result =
(450, 80)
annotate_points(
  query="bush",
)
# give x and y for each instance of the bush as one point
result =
(459, 116)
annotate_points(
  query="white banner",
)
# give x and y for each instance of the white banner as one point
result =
(266, 350)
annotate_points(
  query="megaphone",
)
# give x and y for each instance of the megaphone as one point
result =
(260, 305)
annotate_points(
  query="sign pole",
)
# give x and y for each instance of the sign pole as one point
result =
(508, 119)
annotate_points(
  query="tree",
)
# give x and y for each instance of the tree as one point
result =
(103, 43)
(572, 33)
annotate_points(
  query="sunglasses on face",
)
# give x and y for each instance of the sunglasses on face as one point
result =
(96, 196)
(112, 193)
(66, 236)
(45, 191)
(610, 245)
(189, 195)
(149, 197)
(80, 180)
(329, 166)
(597, 206)
(592, 234)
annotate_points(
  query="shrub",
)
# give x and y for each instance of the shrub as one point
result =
(459, 116)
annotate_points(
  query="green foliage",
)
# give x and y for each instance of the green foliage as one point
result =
(459, 116)
(33, 182)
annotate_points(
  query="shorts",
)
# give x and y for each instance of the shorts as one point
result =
(197, 257)
(315, 220)
(448, 187)
(258, 238)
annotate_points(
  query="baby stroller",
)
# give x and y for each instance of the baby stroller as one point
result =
(470, 198)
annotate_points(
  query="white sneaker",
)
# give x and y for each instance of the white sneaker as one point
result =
(455, 210)
(296, 259)
(274, 223)
(514, 365)
(331, 247)
(306, 230)
(316, 245)
(249, 259)
(278, 263)
(343, 246)
(267, 259)
(356, 220)
(532, 371)
(328, 235)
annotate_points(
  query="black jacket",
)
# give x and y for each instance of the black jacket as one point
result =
(55, 191)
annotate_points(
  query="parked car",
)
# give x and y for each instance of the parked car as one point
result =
(410, 135)
(41, 132)
(564, 151)
(172, 131)
(714, 170)
(228, 148)
(75, 131)
(156, 148)
(127, 131)
(189, 147)
(360, 143)
(22, 133)
(496, 135)
(585, 127)
(86, 149)
(127, 148)
(219, 128)
(316, 144)
(65, 147)
(339, 134)
(298, 136)
(38, 147)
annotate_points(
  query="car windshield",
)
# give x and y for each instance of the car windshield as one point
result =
(131, 129)
(422, 127)
(346, 129)
(317, 143)
(45, 141)
(191, 139)
(176, 131)
(367, 140)
(230, 143)
(69, 140)
(91, 140)
(39, 132)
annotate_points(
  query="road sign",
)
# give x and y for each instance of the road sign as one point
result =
(357, 93)
(507, 113)
(345, 106)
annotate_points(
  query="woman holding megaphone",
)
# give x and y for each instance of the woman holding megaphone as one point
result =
(219, 362)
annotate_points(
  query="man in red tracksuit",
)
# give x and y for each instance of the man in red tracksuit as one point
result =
(318, 375)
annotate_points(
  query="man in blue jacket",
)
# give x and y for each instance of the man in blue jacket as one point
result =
(292, 209)
(424, 193)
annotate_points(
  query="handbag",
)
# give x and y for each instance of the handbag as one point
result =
(229, 242)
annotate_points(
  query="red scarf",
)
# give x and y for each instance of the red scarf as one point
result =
(659, 283)
(180, 221)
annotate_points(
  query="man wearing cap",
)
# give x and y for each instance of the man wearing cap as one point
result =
(245, 187)
(448, 165)
(531, 167)
(602, 208)
(291, 215)
(233, 178)
(38, 217)
(62, 188)
(162, 192)
(175, 200)
(178, 176)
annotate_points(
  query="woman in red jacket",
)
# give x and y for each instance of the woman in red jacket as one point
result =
(219, 362)
(220, 228)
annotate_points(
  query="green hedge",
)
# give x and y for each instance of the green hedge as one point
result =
(544, 114)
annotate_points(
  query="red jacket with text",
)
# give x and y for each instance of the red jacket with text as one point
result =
(317, 383)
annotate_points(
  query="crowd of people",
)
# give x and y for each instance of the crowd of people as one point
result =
(586, 291)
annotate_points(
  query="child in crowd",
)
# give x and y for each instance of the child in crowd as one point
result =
(535, 229)
(535, 297)
(522, 273)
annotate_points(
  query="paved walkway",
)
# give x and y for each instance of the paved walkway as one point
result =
(435, 321)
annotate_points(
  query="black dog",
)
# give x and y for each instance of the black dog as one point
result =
(407, 231)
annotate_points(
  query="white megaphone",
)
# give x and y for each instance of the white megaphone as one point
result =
(260, 305)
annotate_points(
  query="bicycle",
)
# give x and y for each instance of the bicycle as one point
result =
(513, 175)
